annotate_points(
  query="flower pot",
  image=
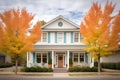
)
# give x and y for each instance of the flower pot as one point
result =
(70, 65)
(50, 65)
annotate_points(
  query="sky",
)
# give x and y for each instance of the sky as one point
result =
(46, 10)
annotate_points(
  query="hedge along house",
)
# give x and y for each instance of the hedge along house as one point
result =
(61, 40)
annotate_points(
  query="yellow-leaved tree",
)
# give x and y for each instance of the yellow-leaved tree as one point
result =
(100, 30)
(14, 29)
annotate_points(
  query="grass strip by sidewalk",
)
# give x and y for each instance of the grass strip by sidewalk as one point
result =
(93, 75)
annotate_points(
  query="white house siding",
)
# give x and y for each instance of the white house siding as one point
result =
(4, 58)
(111, 58)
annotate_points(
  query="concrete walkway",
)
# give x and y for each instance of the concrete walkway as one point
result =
(60, 70)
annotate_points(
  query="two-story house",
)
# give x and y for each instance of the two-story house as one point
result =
(60, 41)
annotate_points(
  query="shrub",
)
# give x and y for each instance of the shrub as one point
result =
(82, 69)
(36, 69)
(4, 65)
(96, 64)
(111, 65)
(118, 66)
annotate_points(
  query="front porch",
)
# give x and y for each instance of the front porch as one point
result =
(60, 58)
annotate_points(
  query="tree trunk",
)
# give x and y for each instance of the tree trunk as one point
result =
(99, 66)
(16, 66)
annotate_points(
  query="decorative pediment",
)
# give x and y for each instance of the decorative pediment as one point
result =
(60, 23)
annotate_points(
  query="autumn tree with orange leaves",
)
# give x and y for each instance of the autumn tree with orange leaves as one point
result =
(14, 29)
(101, 30)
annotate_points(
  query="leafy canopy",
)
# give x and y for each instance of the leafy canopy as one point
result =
(14, 28)
(101, 29)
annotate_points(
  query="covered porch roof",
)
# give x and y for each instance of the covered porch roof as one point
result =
(59, 47)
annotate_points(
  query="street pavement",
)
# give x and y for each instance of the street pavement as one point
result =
(13, 77)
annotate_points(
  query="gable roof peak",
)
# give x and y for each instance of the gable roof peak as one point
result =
(58, 17)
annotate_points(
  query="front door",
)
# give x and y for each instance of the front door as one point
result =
(60, 61)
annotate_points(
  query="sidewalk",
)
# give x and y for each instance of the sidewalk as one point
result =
(108, 72)
(51, 74)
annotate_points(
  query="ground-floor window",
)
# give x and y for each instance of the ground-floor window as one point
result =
(44, 56)
(81, 57)
(38, 57)
(41, 57)
(78, 57)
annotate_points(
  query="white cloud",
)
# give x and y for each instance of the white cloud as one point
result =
(49, 9)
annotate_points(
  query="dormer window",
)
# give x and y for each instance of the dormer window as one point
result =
(60, 24)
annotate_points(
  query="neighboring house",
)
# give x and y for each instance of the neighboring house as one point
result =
(4, 59)
(60, 40)
(112, 58)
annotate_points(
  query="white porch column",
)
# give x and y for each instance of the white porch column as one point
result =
(67, 59)
(52, 59)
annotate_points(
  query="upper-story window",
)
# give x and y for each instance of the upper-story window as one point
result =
(81, 38)
(60, 37)
(44, 37)
(76, 37)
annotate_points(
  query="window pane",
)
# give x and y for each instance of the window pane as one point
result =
(82, 57)
(75, 57)
(44, 37)
(81, 38)
(38, 58)
(44, 56)
(76, 37)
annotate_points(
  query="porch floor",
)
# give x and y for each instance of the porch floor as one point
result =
(60, 70)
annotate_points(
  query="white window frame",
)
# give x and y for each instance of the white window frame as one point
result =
(58, 37)
(46, 37)
(79, 56)
(78, 37)
(42, 58)
(81, 37)
(36, 57)
(73, 57)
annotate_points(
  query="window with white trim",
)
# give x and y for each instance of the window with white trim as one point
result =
(41, 57)
(76, 57)
(44, 37)
(60, 37)
(81, 57)
(38, 57)
(44, 57)
(81, 38)
(76, 37)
